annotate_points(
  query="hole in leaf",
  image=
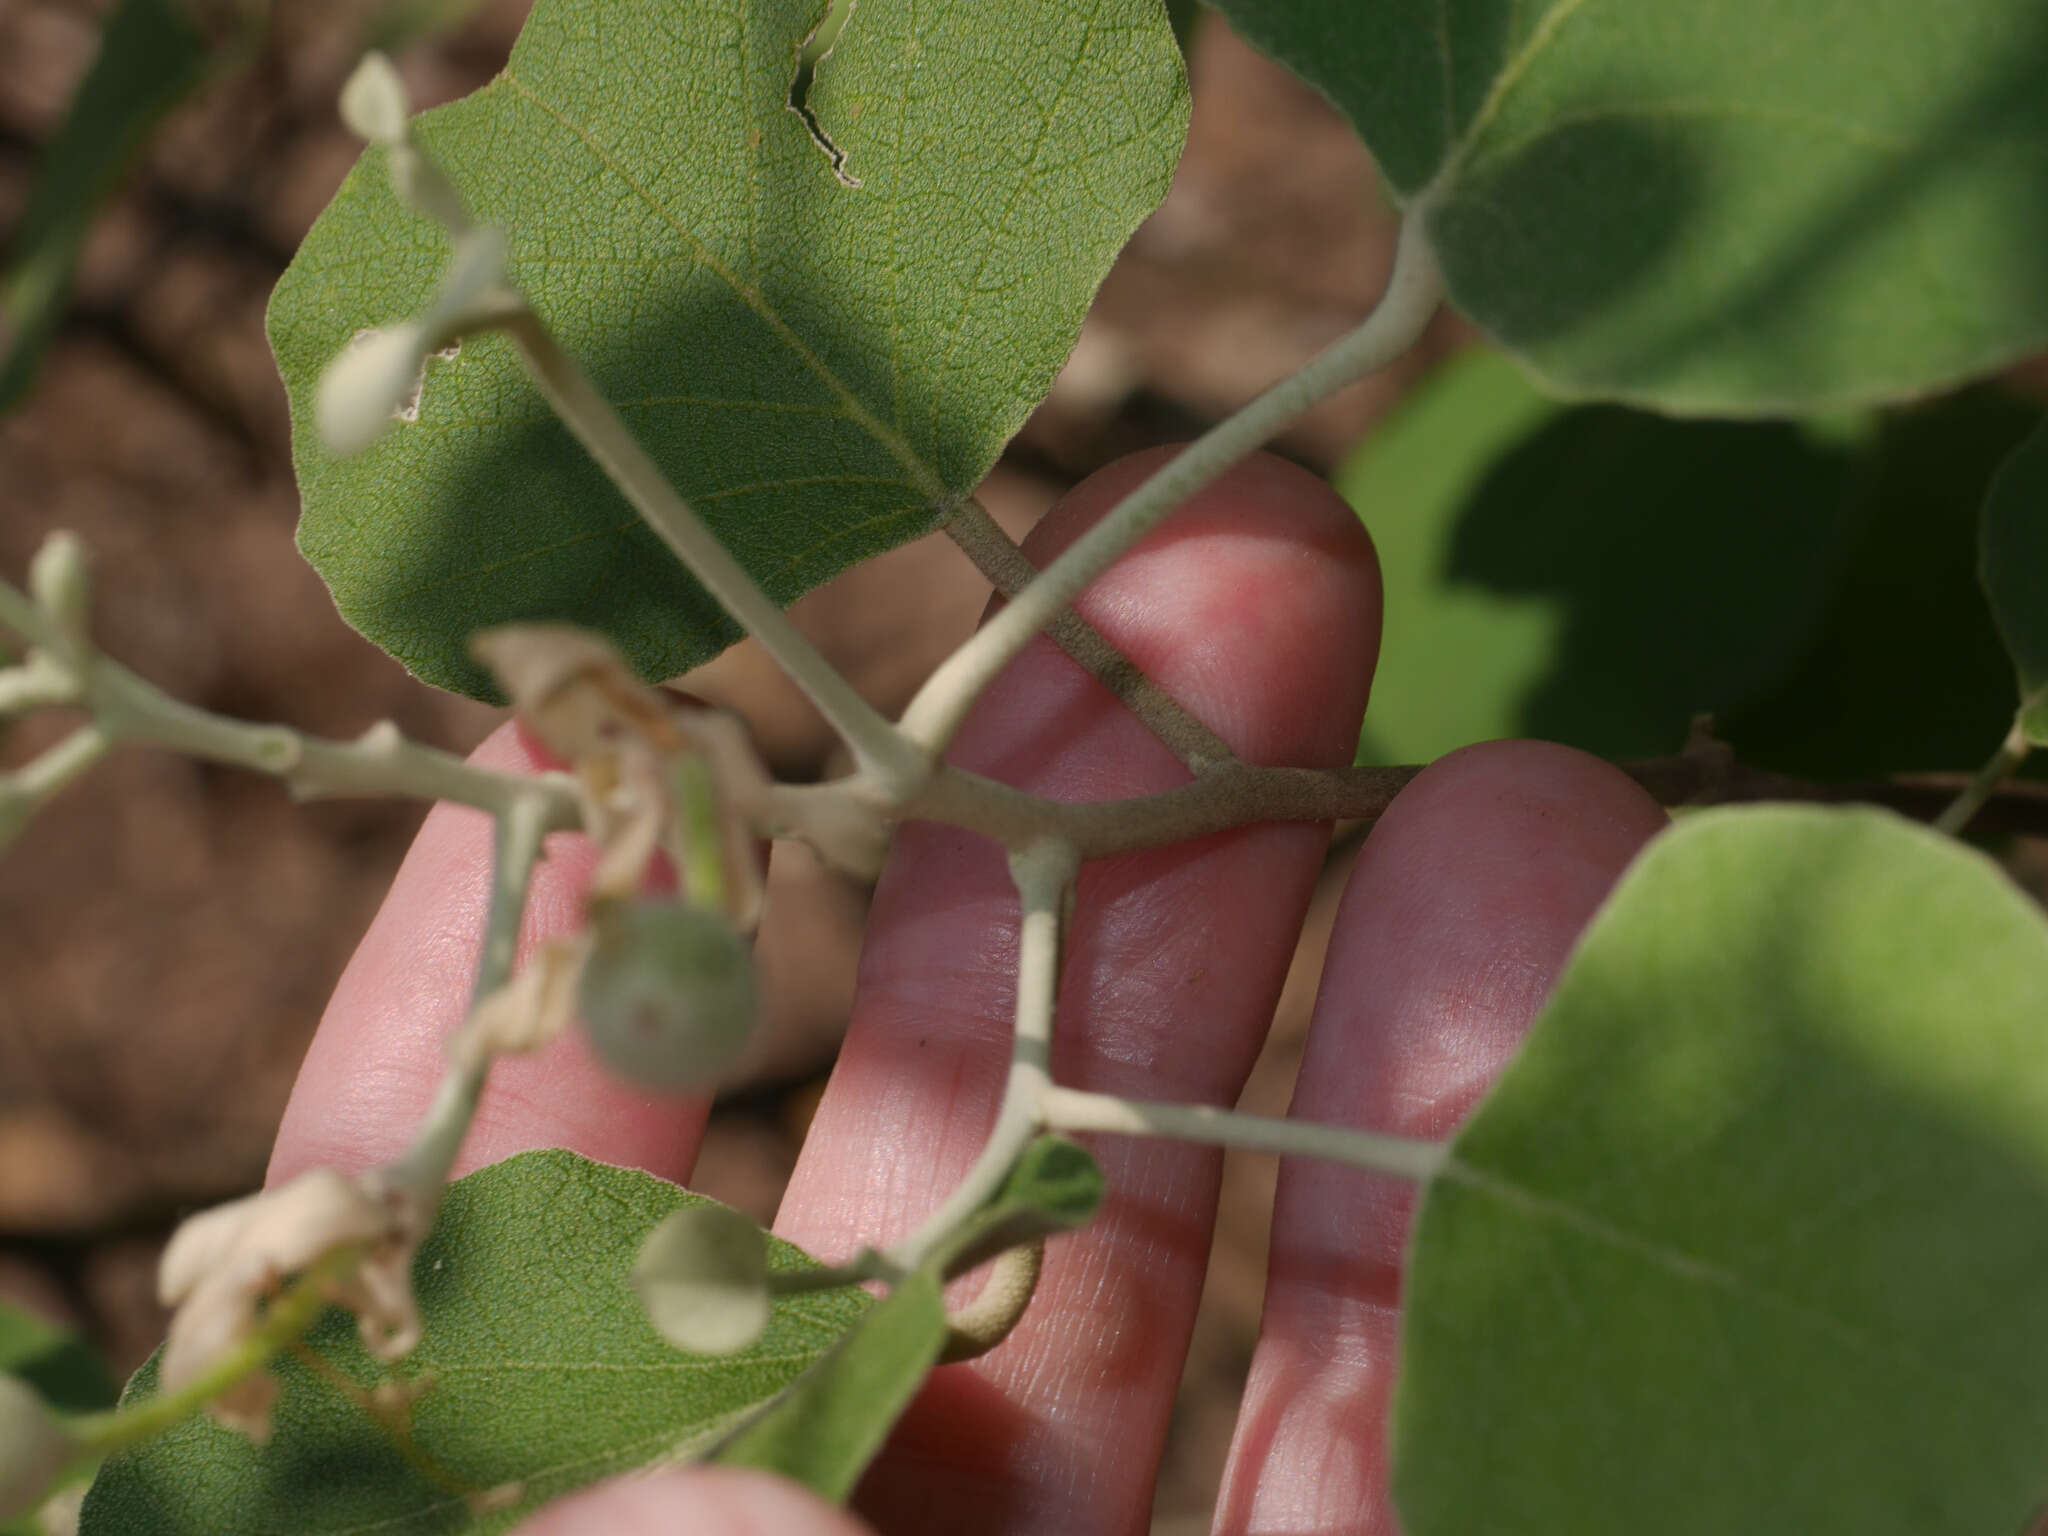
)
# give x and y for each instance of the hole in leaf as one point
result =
(811, 54)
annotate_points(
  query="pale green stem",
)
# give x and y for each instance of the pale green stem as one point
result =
(1071, 1109)
(37, 683)
(423, 1169)
(2010, 754)
(1043, 873)
(863, 1266)
(286, 1319)
(1414, 290)
(50, 771)
(877, 746)
(380, 762)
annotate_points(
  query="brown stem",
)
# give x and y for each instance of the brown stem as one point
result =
(1239, 795)
(1009, 570)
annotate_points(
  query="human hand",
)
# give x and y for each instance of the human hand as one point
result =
(1258, 607)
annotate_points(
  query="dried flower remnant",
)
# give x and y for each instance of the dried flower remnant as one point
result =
(352, 1239)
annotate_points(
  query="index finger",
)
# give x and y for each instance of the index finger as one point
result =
(378, 1053)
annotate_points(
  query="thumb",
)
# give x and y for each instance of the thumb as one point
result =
(706, 1501)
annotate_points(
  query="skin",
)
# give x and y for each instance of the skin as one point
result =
(1257, 606)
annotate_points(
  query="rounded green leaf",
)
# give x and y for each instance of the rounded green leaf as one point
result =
(1592, 575)
(823, 369)
(545, 1376)
(1753, 1236)
(2015, 572)
(702, 1275)
(1712, 206)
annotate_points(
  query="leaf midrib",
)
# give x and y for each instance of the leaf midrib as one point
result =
(926, 479)
(1488, 1184)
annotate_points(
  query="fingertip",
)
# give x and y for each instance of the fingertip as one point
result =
(706, 1501)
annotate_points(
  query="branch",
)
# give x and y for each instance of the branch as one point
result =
(1241, 795)
(126, 708)
(1009, 570)
(423, 1169)
(2010, 754)
(1071, 1109)
(1414, 289)
(1044, 872)
(881, 750)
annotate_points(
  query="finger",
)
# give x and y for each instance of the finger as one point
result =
(704, 1501)
(1456, 922)
(378, 1053)
(1257, 606)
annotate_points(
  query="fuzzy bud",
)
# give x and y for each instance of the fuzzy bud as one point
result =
(366, 387)
(374, 104)
(668, 996)
(60, 579)
(702, 1277)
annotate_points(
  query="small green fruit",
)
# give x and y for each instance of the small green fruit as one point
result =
(668, 997)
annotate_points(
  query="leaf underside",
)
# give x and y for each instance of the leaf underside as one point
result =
(1753, 1236)
(545, 1374)
(1711, 206)
(1566, 572)
(2014, 567)
(823, 370)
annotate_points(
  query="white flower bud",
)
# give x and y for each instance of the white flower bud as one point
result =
(374, 104)
(366, 387)
(59, 576)
(668, 996)
(34, 1448)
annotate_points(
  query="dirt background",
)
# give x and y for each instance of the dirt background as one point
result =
(169, 931)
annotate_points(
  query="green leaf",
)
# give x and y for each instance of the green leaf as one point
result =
(827, 1428)
(824, 370)
(1711, 206)
(1055, 1187)
(1596, 575)
(545, 1373)
(64, 1370)
(1907, 673)
(1753, 1236)
(2014, 566)
(1591, 575)
(151, 57)
(60, 1365)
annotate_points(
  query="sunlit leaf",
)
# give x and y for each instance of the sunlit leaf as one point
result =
(1753, 1236)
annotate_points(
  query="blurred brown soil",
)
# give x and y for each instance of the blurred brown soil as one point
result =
(169, 931)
